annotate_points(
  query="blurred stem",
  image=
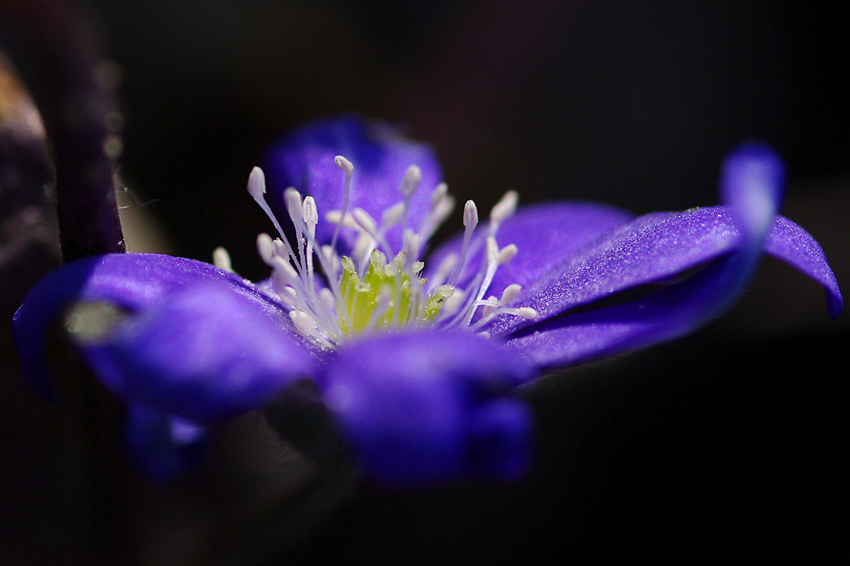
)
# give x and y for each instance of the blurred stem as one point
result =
(74, 88)
(73, 85)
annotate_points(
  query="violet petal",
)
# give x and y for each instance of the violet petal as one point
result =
(427, 406)
(752, 181)
(304, 159)
(544, 234)
(792, 244)
(135, 282)
(204, 353)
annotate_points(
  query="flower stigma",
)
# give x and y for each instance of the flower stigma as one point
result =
(365, 292)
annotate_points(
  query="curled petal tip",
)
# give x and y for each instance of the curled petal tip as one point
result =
(753, 184)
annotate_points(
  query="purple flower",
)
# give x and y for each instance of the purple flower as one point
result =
(415, 362)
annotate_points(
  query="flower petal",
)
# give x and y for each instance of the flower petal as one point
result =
(649, 249)
(544, 233)
(589, 335)
(204, 353)
(789, 242)
(752, 180)
(661, 246)
(428, 406)
(136, 282)
(163, 445)
(381, 156)
(667, 314)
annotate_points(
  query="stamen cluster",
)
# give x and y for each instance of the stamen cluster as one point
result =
(366, 293)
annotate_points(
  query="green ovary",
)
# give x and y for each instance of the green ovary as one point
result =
(386, 297)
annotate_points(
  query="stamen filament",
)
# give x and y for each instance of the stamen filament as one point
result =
(365, 292)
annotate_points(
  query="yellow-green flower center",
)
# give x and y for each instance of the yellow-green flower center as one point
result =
(388, 296)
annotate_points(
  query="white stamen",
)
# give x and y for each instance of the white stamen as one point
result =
(362, 248)
(265, 247)
(280, 248)
(343, 164)
(335, 217)
(287, 294)
(366, 222)
(392, 215)
(505, 207)
(443, 270)
(436, 216)
(293, 205)
(526, 312)
(410, 182)
(285, 269)
(221, 259)
(311, 216)
(257, 184)
(470, 221)
(453, 303)
(346, 166)
(510, 293)
(507, 253)
(470, 215)
(411, 243)
(438, 193)
(257, 190)
(323, 313)
(492, 250)
(326, 297)
(490, 306)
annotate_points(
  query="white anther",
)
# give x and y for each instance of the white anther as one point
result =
(505, 207)
(335, 217)
(343, 164)
(311, 216)
(443, 209)
(346, 166)
(411, 244)
(410, 182)
(221, 259)
(453, 303)
(438, 193)
(327, 300)
(257, 184)
(304, 323)
(332, 260)
(449, 262)
(362, 247)
(507, 253)
(392, 215)
(280, 248)
(510, 293)
(436, 216)
(470, 215)
(257, 188)
(293, 205)
(265, 247)
(492, 250)
(526, 312)
(366, 222)
(287, 272)
(287, 294)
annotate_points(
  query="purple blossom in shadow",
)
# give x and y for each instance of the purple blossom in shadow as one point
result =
(425, 402)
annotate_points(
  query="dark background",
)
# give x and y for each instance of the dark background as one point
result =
(727, 445)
